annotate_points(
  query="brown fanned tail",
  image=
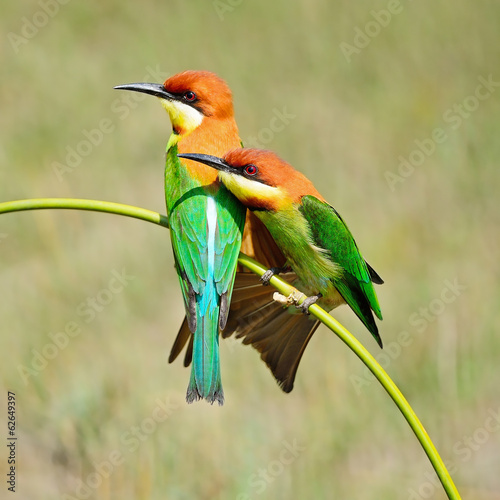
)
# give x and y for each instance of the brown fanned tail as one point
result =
(279, 334)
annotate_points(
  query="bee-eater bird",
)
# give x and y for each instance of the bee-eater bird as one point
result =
(318, 247)
(206, 220)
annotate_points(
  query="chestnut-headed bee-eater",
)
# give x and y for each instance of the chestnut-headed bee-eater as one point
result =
(206, 220)
(317, 245)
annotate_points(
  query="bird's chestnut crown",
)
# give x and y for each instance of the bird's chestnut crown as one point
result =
(202, 90)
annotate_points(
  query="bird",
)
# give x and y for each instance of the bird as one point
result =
(320, 251)
(206, 220)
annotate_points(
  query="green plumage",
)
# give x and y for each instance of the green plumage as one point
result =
(206, 226)
(321, 250)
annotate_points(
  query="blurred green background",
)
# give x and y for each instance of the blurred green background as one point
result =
(362, 86)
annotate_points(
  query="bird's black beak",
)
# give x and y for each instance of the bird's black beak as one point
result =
(155, 89)
(211, 161)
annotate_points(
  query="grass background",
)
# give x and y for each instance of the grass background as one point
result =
(353, 119)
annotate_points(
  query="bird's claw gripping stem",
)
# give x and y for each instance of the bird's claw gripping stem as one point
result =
(304, 307)
(274, 271)
(295, 298)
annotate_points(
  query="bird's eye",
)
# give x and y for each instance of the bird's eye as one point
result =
(251, 169)
(190, 96)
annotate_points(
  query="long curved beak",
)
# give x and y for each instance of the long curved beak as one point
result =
(155, 89)
(211, 161)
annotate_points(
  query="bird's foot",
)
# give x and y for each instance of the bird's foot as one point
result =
(274, 271)
(304, 307)
(293, 298)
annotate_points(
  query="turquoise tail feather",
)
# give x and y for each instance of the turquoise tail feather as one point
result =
(205, 381)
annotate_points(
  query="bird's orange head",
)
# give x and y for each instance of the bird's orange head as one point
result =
(260, 179)
(189, 97)
(202, 90)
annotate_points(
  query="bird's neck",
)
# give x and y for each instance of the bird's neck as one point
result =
(212, 137)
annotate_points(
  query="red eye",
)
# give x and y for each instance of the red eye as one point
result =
(190, 96)
(251, 169)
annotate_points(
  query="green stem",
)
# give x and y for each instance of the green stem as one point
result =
(285, 289)
(79, 204)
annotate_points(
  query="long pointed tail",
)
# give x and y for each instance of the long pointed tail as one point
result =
(205, 381)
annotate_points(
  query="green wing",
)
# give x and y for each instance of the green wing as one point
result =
(231, 220)
(331, 233)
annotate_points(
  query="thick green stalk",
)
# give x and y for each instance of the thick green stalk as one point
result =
(285, 289)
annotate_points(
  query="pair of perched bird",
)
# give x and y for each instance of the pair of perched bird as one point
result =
(210, 182)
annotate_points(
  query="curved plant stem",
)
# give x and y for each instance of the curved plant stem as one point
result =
(79, 204)
(372, 364)
(285, 289)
